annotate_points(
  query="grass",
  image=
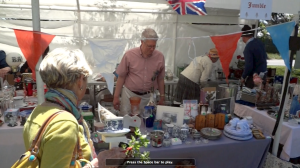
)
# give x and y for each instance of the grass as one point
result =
(274, 56)
(281, 69)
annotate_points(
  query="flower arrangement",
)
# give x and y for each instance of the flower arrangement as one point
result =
(241, 62)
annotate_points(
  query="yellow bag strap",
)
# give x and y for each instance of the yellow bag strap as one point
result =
(77, 150)
(37, 140)
(34, 148)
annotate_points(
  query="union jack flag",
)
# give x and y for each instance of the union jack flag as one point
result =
(192, 7)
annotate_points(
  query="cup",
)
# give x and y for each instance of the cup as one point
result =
(242, 126)
(249, 120)
(19, 101)
(233, 123)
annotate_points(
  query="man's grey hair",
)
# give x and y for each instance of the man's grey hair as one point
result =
(149, 34)
(62, 67)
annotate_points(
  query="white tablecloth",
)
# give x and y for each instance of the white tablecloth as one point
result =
(11, 144)
(290, 135)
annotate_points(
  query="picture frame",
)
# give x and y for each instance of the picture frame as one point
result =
(207, 95)
(178, 111)
(229, 102)
(190, 108)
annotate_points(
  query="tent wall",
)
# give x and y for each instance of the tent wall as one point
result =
(279, 6)
(61, 19)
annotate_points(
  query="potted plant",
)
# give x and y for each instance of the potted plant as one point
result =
(134, 145)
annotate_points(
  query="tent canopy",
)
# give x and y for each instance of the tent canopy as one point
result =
(112, 19)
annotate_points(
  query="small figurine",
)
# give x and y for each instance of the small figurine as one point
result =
(12, 122)
(23, 120)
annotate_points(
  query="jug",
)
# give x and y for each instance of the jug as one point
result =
(29, 86)
(135, 103)
(7, 101)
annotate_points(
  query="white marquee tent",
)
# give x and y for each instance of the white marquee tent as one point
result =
(117, 20)
(75, 21)
(112, 19)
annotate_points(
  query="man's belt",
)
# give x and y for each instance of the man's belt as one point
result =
(140, 93)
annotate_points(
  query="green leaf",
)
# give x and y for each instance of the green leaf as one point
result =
(143, 137)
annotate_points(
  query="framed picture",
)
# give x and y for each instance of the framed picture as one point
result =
(174, 113)
(225, 105)
(190, 108)
(207, 95)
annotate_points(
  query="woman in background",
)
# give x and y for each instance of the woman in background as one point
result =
(199, 70)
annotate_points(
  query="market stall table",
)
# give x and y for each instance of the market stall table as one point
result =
(11, 144)
(169, 88)
(224, 152)
(289, 137)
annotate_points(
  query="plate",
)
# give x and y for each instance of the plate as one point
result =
(238, 138)
(21, 105)
(115, 133)
(18, 98)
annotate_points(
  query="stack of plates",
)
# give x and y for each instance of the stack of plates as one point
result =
(210, 133)
(233, 134)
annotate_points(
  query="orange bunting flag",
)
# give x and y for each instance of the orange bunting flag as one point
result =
(226, 46)
(32, 44)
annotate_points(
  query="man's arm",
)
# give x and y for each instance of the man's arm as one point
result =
(122, 71)
(161, 89)
(161, 83)
(119, 85)
(4, 71)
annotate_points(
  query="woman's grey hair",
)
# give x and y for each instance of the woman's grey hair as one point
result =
(62, 67)
(149, 34)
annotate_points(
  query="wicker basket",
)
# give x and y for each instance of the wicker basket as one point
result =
(26, 75)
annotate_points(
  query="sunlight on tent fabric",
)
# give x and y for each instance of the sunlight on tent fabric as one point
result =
(89, 4)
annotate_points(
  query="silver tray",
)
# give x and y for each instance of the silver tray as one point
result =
(211, 133)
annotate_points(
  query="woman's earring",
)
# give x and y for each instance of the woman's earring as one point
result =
(81, 88)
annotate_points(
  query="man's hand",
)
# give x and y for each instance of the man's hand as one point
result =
(161, 100)
(242, 80)
(116, 103)
(114, 153)
(4, 71)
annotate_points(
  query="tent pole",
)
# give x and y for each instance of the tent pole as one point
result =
(35, 5)
(256, 26)
(79, 23)
(174, 46)
(283, 101)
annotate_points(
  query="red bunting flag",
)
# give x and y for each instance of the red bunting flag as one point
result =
(226, 46)
(33, 44)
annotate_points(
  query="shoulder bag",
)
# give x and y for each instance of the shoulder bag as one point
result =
(29, 159)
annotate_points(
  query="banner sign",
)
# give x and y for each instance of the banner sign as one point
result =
(256, 9)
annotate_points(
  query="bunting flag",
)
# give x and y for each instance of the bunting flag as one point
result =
(106, 54)
(226, 46)
(32, 44)
(280, 35)
(192, 7)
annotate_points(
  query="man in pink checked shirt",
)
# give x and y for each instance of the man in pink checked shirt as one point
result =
(140, 69)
